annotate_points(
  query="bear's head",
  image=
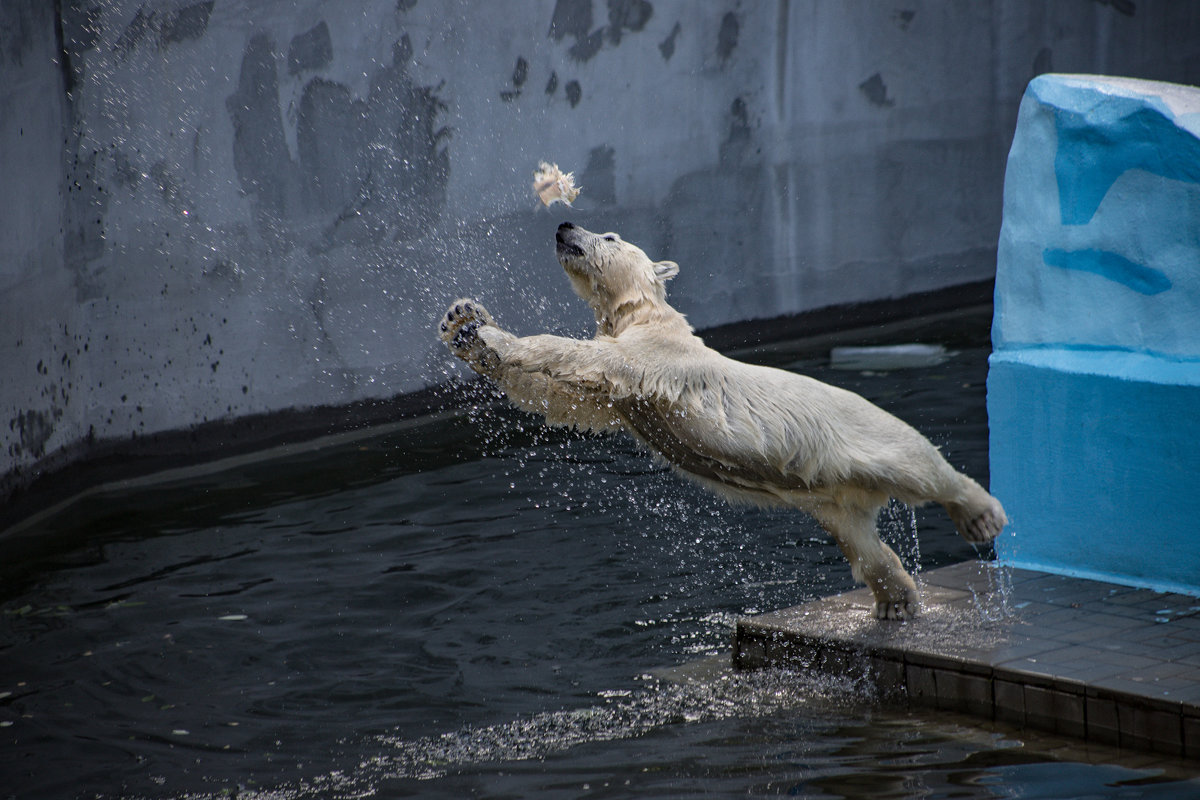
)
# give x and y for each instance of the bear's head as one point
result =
(616, 278)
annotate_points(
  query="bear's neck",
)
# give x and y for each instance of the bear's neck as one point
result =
(642, 311)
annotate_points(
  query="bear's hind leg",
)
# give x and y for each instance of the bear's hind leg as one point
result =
(872, 561)
(977, 515)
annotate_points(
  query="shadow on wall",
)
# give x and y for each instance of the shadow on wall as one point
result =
(367, 167)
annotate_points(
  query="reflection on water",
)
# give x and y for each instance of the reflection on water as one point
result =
(473, 606)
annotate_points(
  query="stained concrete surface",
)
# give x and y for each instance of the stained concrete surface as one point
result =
(218, 209)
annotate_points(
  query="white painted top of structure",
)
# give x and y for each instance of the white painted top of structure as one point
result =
(1181, 100)
(1098, 247)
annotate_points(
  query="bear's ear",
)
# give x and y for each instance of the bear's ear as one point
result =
(665, 270)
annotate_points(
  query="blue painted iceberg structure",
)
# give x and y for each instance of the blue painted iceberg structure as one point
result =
(1094, 382)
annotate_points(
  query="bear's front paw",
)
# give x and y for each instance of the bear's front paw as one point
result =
(460, 325)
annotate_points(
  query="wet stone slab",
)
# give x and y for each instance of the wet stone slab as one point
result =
(1081, 658)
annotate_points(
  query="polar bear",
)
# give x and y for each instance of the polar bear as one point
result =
(750, 433)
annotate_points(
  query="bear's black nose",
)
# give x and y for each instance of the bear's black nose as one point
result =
(565, 244)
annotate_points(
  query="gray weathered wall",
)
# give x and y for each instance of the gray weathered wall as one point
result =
(217, 208)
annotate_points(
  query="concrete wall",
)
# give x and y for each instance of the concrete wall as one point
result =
(218, 208)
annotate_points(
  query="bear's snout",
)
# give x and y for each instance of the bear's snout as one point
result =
(565, 239)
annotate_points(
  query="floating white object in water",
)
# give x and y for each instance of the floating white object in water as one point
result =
(552, 185)
(893, 356)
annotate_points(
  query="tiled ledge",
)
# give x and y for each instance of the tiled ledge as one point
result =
(1101, 662)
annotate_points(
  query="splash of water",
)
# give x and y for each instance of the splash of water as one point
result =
(702, 693)
(898, 529)
(995, 602)
(622, 715)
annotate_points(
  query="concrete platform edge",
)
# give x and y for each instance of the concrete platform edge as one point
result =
(986, 682)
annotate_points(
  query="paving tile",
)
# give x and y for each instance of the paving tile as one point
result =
(952, 660)
(922, 689)
(1002, 653)
(1062, 620)
(1039, 671)
(1148, 693)
(1069, 713)
(888, 675)
(1179, 602)
(1163, 635)
(1170, 669)
(1103, 721)
(1186, 630)
(1108, 655)
(1056, 711)
(1137, 597)
(1009, 701)
(1067, 619)
(964, 572)
(1030, 610)
(1082, 593)
(1191, 736)
(1114, 614)
(1071, 685)
(1151, 639)
(1186, 654)
(1107, 628)
(1017, 575)
(1151, 729)
(1168, 688)
(963, 692)
(1082, 671)
(1130, 663)
(1188, 696)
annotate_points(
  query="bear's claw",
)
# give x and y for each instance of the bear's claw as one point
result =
(901, 609)
(900, 612)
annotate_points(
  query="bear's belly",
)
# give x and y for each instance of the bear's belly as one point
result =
(688, 445)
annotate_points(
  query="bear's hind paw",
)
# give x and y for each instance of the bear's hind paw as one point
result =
(985, 525)
(900, 612)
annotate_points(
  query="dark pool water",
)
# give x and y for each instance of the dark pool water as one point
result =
(476, 607)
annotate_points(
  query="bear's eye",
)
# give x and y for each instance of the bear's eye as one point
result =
(610, 238)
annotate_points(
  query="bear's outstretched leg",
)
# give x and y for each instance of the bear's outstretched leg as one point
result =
(872, 561)
(538, 373)
(929, 478)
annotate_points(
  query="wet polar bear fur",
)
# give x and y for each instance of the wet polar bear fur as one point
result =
(750, 433)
